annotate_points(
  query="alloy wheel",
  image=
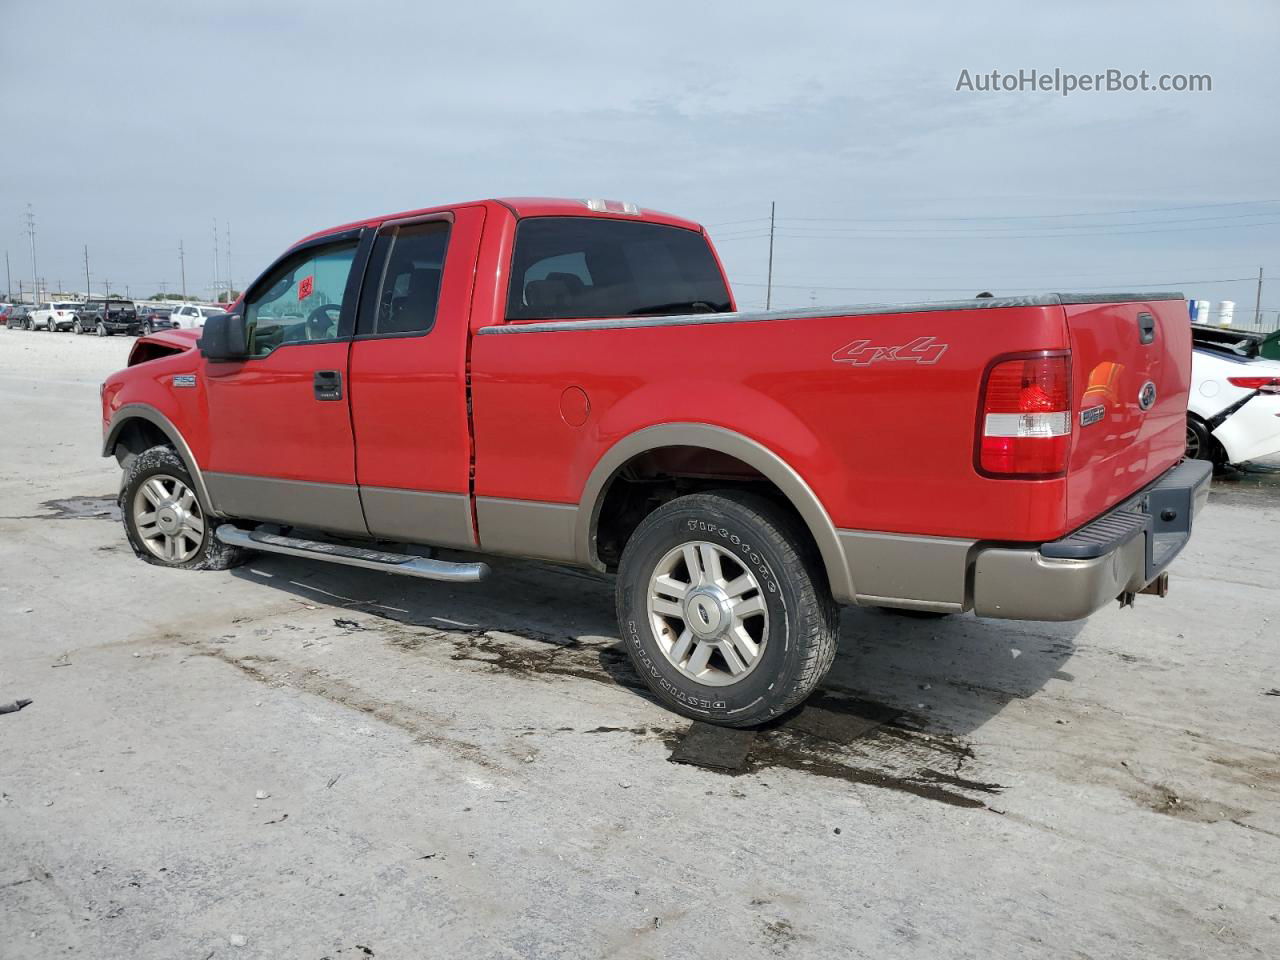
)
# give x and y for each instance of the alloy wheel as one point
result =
(168, 518)
(708, 613)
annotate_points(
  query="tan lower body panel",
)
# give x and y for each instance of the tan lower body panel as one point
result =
(528, 528)
(415, 516)
(903, 570)
(410, 516)
(325, 506)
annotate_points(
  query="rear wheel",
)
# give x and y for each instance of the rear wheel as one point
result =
(724, 608)
(163, 519)
(1201, 444)
(76, 328)
(51, 326)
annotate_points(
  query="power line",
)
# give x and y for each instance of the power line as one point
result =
(1025, 236)
(1037, 216)
(1065, 226)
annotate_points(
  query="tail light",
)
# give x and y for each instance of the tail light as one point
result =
(1025, 426)
(1265, 384)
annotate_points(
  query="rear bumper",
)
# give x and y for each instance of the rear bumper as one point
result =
(1120, 552)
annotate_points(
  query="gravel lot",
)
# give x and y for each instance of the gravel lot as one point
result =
(295, 760)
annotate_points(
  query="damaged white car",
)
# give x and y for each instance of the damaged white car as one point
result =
(1233, 412)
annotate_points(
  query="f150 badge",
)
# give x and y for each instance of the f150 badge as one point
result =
(184, 380)
(860, 353)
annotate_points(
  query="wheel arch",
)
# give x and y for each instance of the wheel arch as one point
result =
(773, 468)
(138, 420)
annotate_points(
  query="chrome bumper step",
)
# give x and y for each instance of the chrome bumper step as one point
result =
(398, 563)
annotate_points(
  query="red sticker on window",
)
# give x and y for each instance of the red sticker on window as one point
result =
(306, 286)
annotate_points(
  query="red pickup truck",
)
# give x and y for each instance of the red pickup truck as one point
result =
(572, 381)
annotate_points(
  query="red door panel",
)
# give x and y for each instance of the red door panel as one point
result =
(408, 391)
(269, 422)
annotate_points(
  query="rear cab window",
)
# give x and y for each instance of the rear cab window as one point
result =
(566, 268)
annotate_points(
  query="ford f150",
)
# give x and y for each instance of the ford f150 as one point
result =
(572, 381)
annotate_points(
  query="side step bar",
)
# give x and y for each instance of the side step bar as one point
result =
(422, 567)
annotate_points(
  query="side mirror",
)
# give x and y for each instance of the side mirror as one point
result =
(224, 338)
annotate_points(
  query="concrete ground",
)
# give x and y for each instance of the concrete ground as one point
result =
(297, 760)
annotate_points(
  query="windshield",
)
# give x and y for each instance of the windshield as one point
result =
(574, 267)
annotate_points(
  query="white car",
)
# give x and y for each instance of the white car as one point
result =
(191, 316)
(58, 315)
(1233, 413)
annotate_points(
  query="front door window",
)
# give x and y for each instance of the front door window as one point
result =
(301, 301)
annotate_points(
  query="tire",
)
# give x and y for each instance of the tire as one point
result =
(161, 470)
(76, 328)
(101, 330)
(792, 635)
(52, 327)
(1202, 445)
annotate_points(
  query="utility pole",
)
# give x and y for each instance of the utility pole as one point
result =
(182, 262)
(88, 287)
(31, 234)
(229, 289)
(106, 293)
(768, 290)
(1257, 304)
(8, 278)
(215, 259)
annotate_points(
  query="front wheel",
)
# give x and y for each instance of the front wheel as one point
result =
(163, 519)
(101, 330)
(724, 608)
(76, 328)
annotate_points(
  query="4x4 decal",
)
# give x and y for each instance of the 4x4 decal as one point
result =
(860, 353)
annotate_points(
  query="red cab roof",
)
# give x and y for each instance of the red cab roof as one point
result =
(524, 207)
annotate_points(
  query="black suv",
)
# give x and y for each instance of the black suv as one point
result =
(106, 317)
(20, 317)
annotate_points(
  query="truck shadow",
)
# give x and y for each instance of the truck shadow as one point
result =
(947, 675)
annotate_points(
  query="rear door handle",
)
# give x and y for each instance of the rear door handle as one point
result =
(327, 385)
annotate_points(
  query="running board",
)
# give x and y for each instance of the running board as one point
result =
(408, 566)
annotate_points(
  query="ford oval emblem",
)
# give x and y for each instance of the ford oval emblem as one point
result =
(1147, 396)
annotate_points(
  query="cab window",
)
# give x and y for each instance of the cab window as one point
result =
(407, 266)
(574, 267)
(301, 300)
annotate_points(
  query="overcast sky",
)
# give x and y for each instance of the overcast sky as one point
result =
(130, 126)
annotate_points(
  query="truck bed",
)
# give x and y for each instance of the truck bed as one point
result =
(886, 443)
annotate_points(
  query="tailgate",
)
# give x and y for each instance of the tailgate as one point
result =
(1131, 371)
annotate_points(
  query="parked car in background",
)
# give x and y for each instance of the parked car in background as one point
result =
(19, 317)
(573, 382)
(191, 316)
(5, 310)
(1233, 412)
(55, 315)
(154, 318)
(105, 317)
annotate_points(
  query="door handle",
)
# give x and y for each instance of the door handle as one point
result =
(327, 385)
(1146, 328)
